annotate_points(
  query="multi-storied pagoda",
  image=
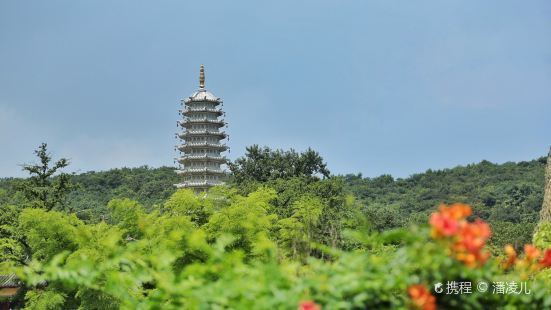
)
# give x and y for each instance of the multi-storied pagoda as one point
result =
(201, 140)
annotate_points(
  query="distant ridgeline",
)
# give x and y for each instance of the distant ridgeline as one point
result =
(508, 195)
(147, 185)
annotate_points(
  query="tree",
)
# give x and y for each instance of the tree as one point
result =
(184, 202)
(12, 245)
(264, 164)
(297, 231)
(42, 189)
(50, 233)
(126, 214)
(247, 220)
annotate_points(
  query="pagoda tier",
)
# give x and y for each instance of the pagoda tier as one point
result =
(202, 97)
(190, 146)
(190, 123)
(201, 139)
(198, 184)
(202, 133)
(200, 171)
(188, 159)
(190, 111)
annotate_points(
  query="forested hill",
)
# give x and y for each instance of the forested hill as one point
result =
(510, 186)
(147, 185)
(508, 195)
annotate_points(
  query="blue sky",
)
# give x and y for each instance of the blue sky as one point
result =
(376, 87)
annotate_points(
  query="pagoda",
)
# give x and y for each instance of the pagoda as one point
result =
(201, 138)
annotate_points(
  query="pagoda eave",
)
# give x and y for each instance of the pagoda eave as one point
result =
(201, 171)
(209, 146)
(189, 123)
(190, 100)
(188, 111)
(197, 184)
(190, 158)
(189, 133)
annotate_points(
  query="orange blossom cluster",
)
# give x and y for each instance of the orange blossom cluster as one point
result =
(308, 305)
(532, 258)
(468, 238)
(422, 297)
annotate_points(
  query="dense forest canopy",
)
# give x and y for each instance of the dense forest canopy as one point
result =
(284, 230)
(508, 195)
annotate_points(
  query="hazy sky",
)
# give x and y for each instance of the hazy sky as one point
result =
(375, 86)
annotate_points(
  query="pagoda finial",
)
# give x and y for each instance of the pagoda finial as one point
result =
(202, 77)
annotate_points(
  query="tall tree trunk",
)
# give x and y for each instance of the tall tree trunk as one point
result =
(545, 214)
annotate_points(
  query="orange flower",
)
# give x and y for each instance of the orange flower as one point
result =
(446, 222)
(510, 251)
(308, 305)
(468, 259)
(511, 256)
(473, 259)
(473, 236)
(456, 211)
(468, 238)
(531, 252)
(471, 239)
(546, 260)
(483, 257)
(421, 297)
(443, 226)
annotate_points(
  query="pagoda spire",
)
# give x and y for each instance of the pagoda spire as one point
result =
(202, 77)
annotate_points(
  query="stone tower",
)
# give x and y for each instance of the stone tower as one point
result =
(545, 215)
(201, 138)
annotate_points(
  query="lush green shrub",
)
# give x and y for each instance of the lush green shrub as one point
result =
(226, 251)
(542, 235)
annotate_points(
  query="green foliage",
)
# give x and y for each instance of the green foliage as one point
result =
(50, 233)
(184, 202)
(508, 196)
(147, 186)
(246, 218)
(3, 196)
(264, 164)
(384, 217)
(127, 214)
(516, 234)
(92, 191)
(278, 235)
(10, 247)
(542, 235)
(337, 208)
(44, 300)
(149, 273)
(297, 232)
(41, 189)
